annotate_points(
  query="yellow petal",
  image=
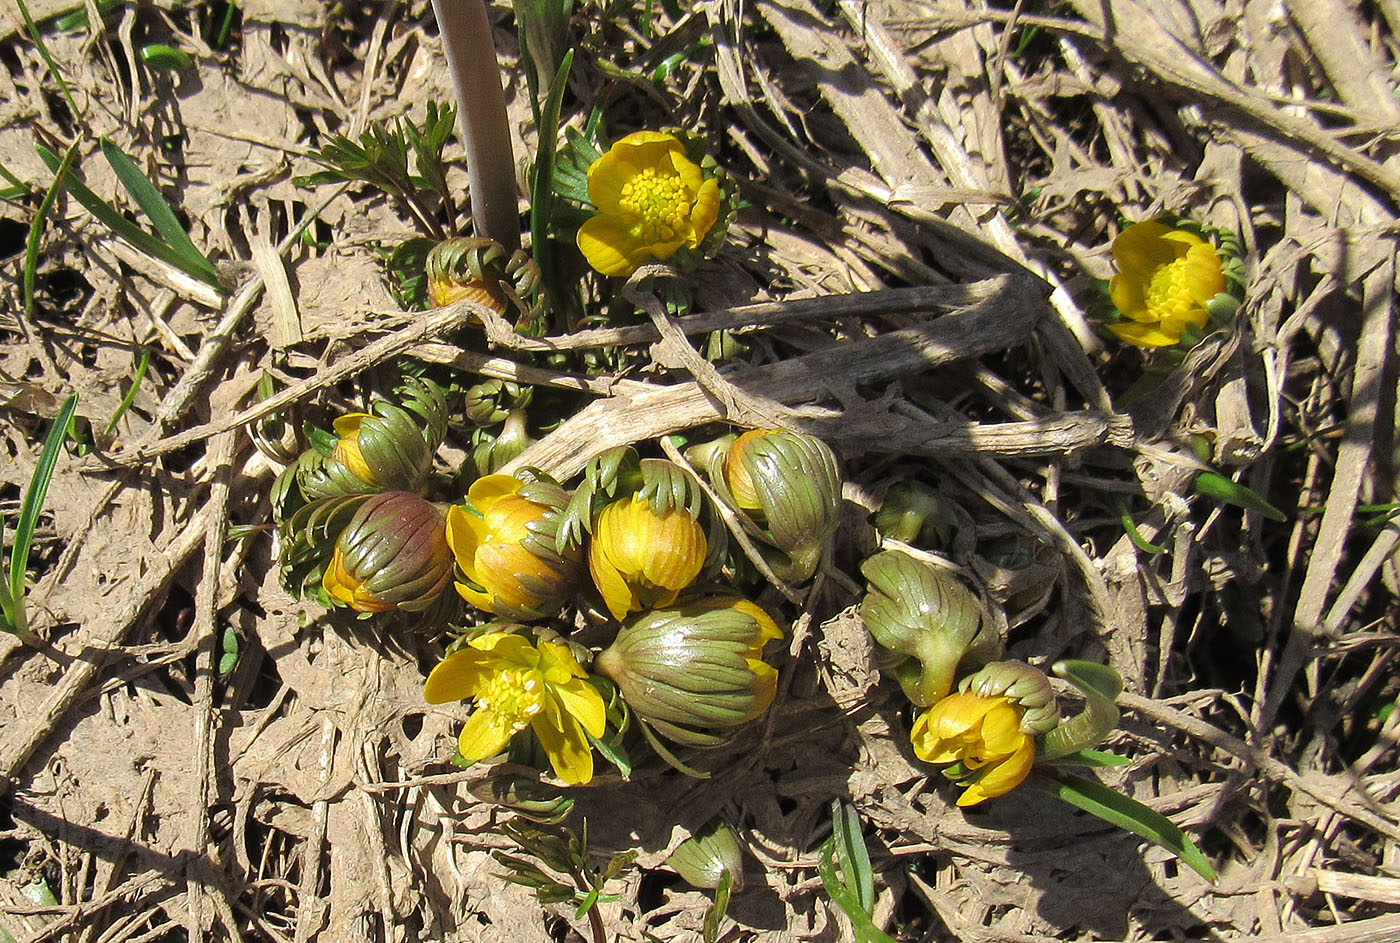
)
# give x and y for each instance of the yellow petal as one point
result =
(706, 211)
(458, 676)
(582, 701)
(563, 741)
(1129, 295)
(1001, 730)
(609, 246)
(486, 491)
(462, 539)
(483, 735)
(1145, 335)
(676, 162)
(1141, 248)
(617, 593)
(1002, 778)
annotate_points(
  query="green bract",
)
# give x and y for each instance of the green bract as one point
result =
(703, 858)
(930, 619)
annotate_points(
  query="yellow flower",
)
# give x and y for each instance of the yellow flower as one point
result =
(983, 735)
(1165, 277)
(504, 545)
(347, 449)
(639, 559)
(651, 201)
(515, 685)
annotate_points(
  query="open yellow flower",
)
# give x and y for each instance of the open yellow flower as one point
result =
(513, 685)
(504, 545)
(981, 734)
(1165, 277)
(651, 199)
(640, 559)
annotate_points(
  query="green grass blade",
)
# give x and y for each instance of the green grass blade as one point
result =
(862, 927)
(130, 396)
(49, 64)
(1117, 809)
(852, 855)
(106, 214)
(153, 204)
(542, 202)
(36, 228)
(33, 504)
(17, 189)
(1139, 541)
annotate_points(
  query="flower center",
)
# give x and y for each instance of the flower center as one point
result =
(514, 696)
(1169, 291)
(656, 205)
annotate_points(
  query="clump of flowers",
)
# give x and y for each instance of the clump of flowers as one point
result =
(1170, 283)
(652, 199)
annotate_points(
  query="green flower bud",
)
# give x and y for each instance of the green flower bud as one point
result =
(392, 555)
(703, 858)
(390, 448)
(478, 270)
(1025, 687)
(926, 615)
(788, 486)
(490, 402)
(695, 672)
(914, 513)
(491, 453)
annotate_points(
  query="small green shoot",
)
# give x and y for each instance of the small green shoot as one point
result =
(130, 396)
(193, 263)
(229, 649)
(852, 887)
(542, 204)
(16, 190)
(13, 616)
(161, 56)
(1139, 541)
(564, 853)
(49, 64)
(1223, 489)
(36, 228)
(153, 204)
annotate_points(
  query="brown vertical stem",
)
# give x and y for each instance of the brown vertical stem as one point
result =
(481, 118)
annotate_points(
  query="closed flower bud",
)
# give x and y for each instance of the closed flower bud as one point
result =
(695, 672)
(703, 858)
(789, 485)
(926, 615)
(641, 559)
(392, 555)
(528, 798)
(390, 447)
(477, 269)
(490, 402)
(504, 542)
